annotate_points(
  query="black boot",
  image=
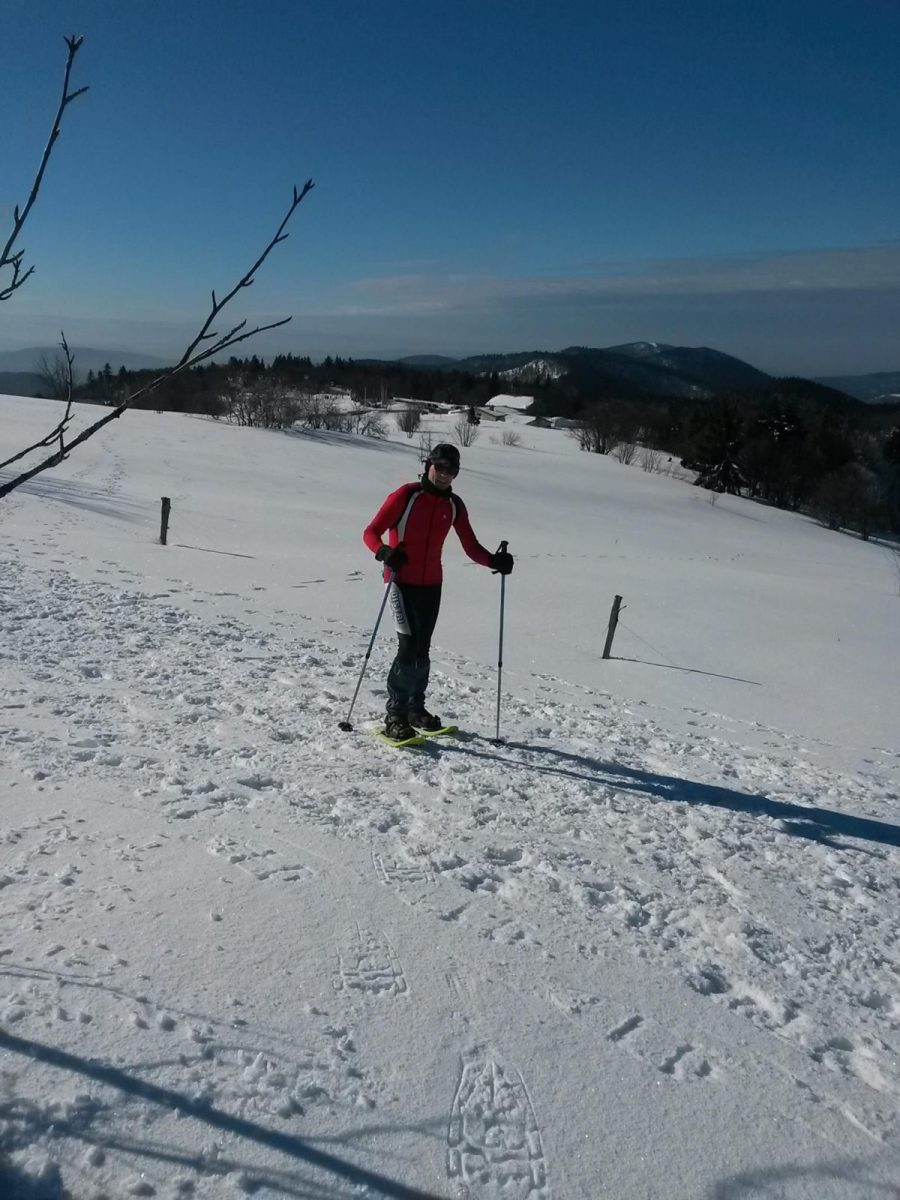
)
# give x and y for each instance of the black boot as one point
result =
(398, 729)
(425, 720)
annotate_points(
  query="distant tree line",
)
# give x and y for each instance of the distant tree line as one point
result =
(794, 443)
(207, 389)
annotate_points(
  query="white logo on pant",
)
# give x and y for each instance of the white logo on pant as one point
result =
(400, 619)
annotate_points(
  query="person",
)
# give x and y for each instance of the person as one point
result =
(417, 518)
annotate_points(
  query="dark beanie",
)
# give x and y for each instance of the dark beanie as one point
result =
(445, 452)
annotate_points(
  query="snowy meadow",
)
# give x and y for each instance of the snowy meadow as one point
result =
(644, 947)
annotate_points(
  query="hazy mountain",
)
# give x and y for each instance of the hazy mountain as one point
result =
(882, 385)
(440, 362)
(87, 358)
(19, 383)
(489, 364)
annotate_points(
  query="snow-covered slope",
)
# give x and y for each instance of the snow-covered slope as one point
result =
(644, 947)
(538, 369)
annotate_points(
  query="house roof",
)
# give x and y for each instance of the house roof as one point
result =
(519, 403)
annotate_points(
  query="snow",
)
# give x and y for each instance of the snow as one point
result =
(511, 403)
(644, 947)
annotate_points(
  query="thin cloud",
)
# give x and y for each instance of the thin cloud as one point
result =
(864, 268)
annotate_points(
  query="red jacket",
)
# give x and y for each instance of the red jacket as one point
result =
(421, 520)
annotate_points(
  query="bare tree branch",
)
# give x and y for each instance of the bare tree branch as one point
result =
(195, 352)
(59, 430)
(70, 383)
(9, 257)
(245, 281)
(190, 358)
(56, 373)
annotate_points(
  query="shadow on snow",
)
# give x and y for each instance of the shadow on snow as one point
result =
(849, 1179)
(801, 820)
(80, 1127)
(83, 496)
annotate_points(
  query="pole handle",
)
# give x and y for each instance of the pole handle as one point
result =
(503, 548)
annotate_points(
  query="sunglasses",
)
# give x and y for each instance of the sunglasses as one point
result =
(444, 467)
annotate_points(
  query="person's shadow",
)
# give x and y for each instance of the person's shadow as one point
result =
(16, 1185)
(806, 821)
(849, 1179)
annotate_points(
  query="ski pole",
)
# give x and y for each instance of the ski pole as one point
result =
(501, 550)
(345, 724)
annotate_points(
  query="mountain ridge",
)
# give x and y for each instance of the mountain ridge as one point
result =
(86, 358)
(631, 368)
(635, 368)
(876, 387)
(658, 367)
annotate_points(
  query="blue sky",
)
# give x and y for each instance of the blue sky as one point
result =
(489, 176)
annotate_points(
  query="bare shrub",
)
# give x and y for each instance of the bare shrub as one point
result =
(849, 498)
(581, 434)
(409, 418)
(321, 411)
(625, 452)
(57, 377)
(270, 405)
(317, 410)
(367, 424)
(466, 432)
(510, 437)
(262, 403)
(650, 459)
(597, 432)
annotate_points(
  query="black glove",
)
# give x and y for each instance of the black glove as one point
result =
(392, 556)
(502, 561)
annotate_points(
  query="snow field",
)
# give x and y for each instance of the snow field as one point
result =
(643, 948)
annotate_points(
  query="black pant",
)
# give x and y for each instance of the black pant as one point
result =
(415, 608)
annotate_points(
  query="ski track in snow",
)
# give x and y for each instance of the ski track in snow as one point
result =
(591, 829)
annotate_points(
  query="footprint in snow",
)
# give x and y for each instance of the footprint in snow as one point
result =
(643, 1039)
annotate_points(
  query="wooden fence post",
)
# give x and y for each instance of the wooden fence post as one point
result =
(164, 522)
(613, 622)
